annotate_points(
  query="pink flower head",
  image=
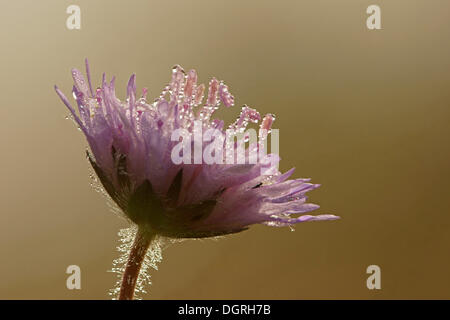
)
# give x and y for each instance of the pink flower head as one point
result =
(131, 145)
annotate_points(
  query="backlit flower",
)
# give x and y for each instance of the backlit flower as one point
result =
(130, 150)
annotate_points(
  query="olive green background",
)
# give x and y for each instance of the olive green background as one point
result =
(364, 113)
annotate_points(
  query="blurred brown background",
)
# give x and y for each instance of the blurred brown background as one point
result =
(364, 113)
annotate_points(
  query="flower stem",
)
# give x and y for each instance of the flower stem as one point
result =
(137, 254)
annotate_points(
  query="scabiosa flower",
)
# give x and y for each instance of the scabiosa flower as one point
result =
(130, 152)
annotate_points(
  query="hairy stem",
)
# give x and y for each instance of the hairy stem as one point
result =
(137, 254)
